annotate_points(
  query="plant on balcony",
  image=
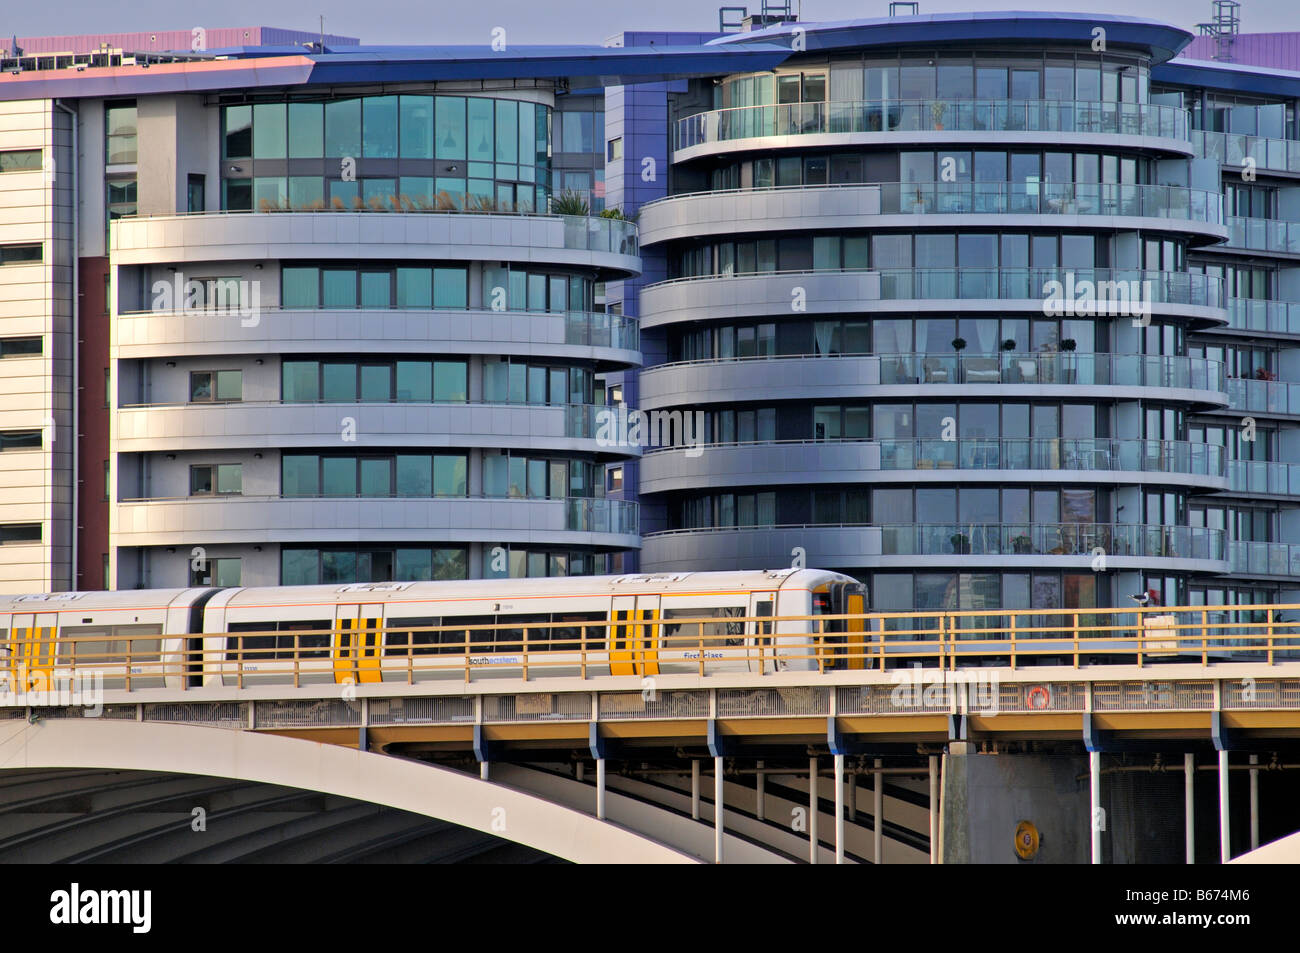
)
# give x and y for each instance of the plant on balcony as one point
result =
(1020, 544)
(1009, 345)
(1069, 344)
(617, 214)
(960, 544)
(937, 109)
(570, 203)
(959, 344)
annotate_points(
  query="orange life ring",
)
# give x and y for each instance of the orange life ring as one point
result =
(1039, 697)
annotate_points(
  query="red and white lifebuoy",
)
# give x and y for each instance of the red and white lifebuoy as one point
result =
(1039, 697)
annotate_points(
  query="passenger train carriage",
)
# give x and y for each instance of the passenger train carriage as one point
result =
(636, 625)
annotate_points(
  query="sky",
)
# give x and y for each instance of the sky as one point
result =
(534, 21)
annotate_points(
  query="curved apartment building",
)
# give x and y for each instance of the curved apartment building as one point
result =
(949, 294)
(372, 361)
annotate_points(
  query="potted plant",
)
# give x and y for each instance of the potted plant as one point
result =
(1020, 544)
(937, 109)
(959, 344)
(1068, 346)
(960, 544)
(1009, 344)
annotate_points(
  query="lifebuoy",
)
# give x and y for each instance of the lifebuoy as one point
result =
(1039, 697)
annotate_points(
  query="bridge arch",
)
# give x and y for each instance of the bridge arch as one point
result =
(331, 769)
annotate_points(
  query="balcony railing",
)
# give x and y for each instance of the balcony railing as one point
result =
(1274, 155)
(1256, 314)
(1264, 476)
(602, 329)
(924, 115)
(1087, 290)
(1051, 539)
(1052, 367)
(581, 514)
(1053, 453)
(1263, 397)
(1264, 234)
(1049, 198)
(1264, 559)
(581, 232)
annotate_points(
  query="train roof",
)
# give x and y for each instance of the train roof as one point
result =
(102, 600)
(560, 586)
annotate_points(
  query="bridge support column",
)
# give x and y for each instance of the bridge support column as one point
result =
(600, 789)
(483, 769)
(1225, 829)
(853, 796)
(600, 747)
(812, 810)
(718, 809)
(1189, 804)
(1254, 802)
(695, 790)
(1094, 803)
(760, 785)
(878, 808)
(934, 808)
(483, 751)
(839, 809)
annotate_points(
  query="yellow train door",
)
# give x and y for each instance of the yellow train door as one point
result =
(358, 643)
(32, 650)
(855, 629)
(645, 647)
(621, 656)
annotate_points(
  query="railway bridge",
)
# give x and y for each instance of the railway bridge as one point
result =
(999, 745)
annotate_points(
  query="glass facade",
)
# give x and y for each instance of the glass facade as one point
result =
(388, 153)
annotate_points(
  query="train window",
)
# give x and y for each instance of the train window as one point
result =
(715, 635)
(312, 637)
(280, 640)
(420, 643)
(512, 640)
(480, 640)
(107, 645)
(568, 638)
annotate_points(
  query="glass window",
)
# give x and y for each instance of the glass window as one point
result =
(414, 565)
(239, 132)
(380, 127)
(339, 382)
(306, 192)
(480, 129)
(414, 381)
(270, 193)
(450, 127)
(376, 476)
(376, 382)
(450, 288)
(507, 126)
(376, 289)
(414, 288)
(417, 127)
(300, 475)
(343, 128)
(299, 287)
(339, 476)
(301, 381)
(306, 130)
(340, 288)
(449, 474)
(450, 381)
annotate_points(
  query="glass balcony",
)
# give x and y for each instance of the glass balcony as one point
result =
(1051, 539)
(1264, 234)
(593, 233)
(1110, 290)
(1276, 155)
(602, 329)
(1263, 397)
(1046, 198)
(1052, 367)
(1256, 314)
(1053, 453)
(602, 516)
(1264, 559)
(923, 115)
(1264, 476)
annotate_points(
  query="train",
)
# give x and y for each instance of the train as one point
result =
(632, 624)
